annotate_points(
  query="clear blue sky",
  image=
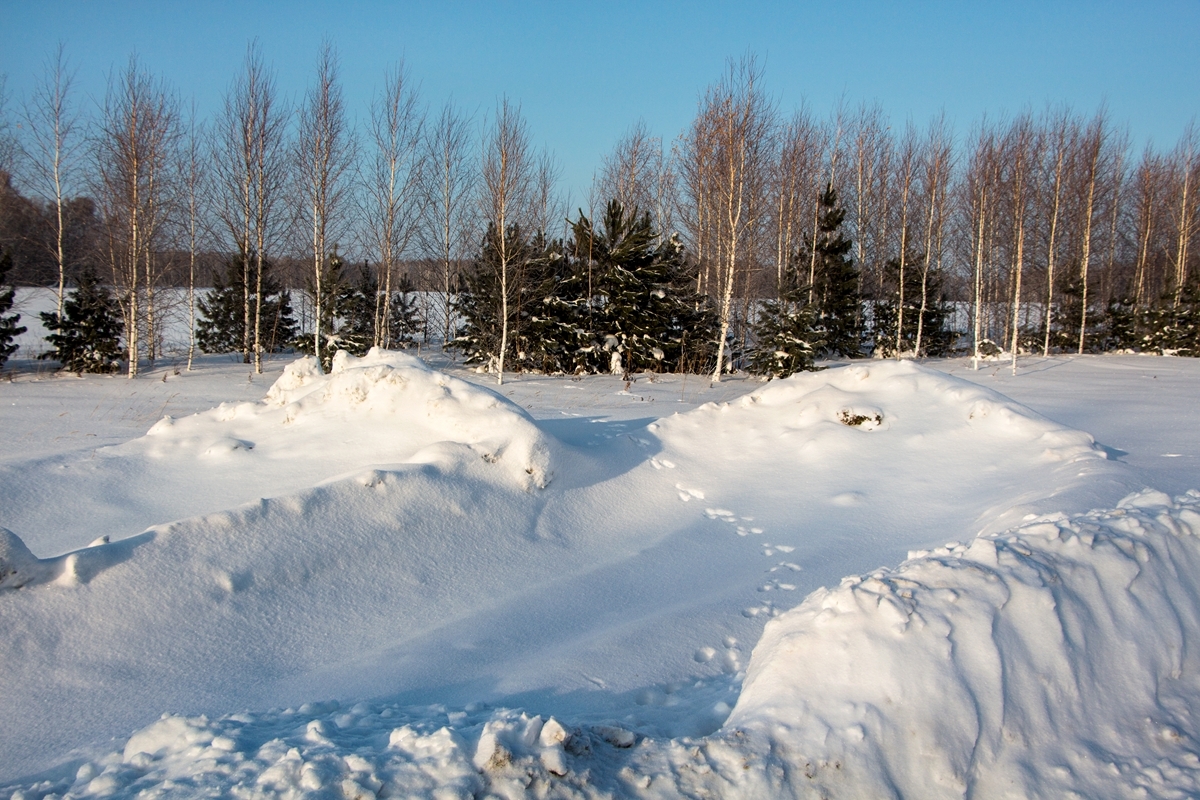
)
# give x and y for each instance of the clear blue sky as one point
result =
(583, 72)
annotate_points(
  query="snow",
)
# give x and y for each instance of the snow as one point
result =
(396, 580)
(1058, 659)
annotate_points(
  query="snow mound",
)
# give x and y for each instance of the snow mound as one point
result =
(1059, 659)
(892, 440)
(829, 407)
(386, 407)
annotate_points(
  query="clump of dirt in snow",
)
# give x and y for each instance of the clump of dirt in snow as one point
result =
(868, 421)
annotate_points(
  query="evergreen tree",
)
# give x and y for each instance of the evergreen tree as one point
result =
(354, 312)
(644, 306)
(1121, 324)
(937, 339)
(87, 338)
(9, 329)
(637, 310)
(479, 304)
(222, 319)
(785, 334)
(404, 320)
(335, 294)
(836, 300)
(554, 341)
(1064, 326)
(1174, 327)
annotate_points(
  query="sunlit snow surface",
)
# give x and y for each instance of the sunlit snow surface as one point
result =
(564, 598)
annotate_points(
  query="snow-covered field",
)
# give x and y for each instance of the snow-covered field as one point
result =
(883, 579)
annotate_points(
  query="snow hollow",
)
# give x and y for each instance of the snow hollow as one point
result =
(881, 579)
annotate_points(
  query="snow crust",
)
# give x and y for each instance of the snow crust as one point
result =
(565, 606)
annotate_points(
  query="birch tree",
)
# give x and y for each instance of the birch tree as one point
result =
(797, 180)
(394, 184)
(1148, 190)
(1185, 168)
(906, 176)
(1089, 154)
(250, 176)
(739, 117)
(937, 164)
(637, 174)
(506, 184)
(51, 145)
(191, 173)
(980, 196)
(696, 166)
(8, 141)
(448, 188)
(1020, 154)
(546, 209)
(324, 155)
(132, 154)
(1062, 134)
(871, 156)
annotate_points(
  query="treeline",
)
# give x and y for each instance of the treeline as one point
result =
(765, 239)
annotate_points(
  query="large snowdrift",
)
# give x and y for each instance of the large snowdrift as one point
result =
(1063, 658)
(423, 539)
(1059, 659)
(386, 408)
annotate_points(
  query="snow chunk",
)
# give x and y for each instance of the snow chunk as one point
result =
(18, 566)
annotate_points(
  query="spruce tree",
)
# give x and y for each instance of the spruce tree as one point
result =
(219, 328)
(354, 310)
(87, 337)
(837, 302)
(1174, 327)
(553, 340)
(9, 329)
(644, 307)
(336, 293)
(403, 319)
(785, 334)
(1120, 327)
(1065, 318)
(936, 337)
(479, 304)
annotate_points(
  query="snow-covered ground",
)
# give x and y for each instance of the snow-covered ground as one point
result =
(396, 580)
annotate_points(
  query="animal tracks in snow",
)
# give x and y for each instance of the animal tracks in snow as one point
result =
(728, 516)
(728, 658)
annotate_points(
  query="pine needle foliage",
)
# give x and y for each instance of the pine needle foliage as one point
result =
(643, 309)
(836, 299)
(937, 339)
(87, 337)
(786, 334)
(222, 318)
(9, 329)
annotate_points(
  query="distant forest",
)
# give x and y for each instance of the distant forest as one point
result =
(1043, 231)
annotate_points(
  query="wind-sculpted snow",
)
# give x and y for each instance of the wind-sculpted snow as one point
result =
(423, 554)
(1058, 659)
